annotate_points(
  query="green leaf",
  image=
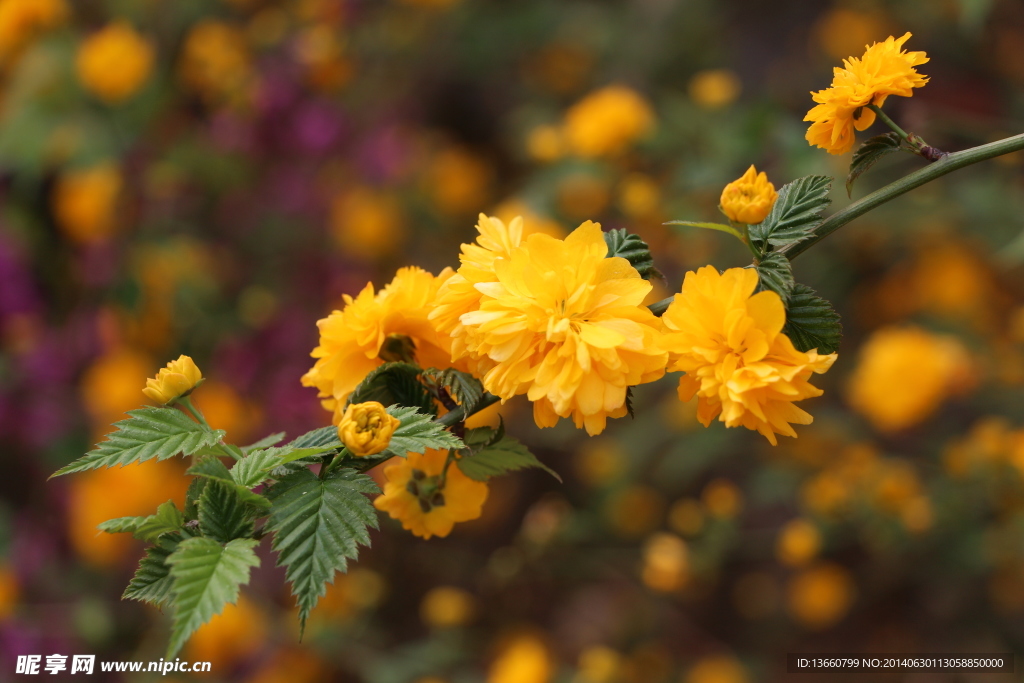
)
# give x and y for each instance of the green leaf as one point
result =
(223, 515)
(395, 383)
(318, 526)
(811, 322)
(214, 469)
(480, 437)
(869, 153)
(148, 433)
(192, 495)
(721, 227)
(265, 442)
(633, 249)
(323, 437)
(152, 581)
(121, 525)
(251, 470)
(167, 519)
(206, 576)
(776, 274)
(507, 455)
(795, 214)
(418, 432)
(217, 451)
(461, 386)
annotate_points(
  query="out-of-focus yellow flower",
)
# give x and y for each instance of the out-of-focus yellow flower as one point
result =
(366, 428)
(885, 69)
(225, 409)
(178, 379)
(798, 543)
(234, 635)
(524, 660)
(354, 340)
(825, 493)
(583, 194)
(321, 49)
(904, 374)
(666, 563)
(447, 606)
(639, 195)
(215, 62)
(366, 222)
(598, 664)
(722, 499)
(600, 461)
(737, 360)
(356, 590)
(821, 595)
(545, 143)
(415, 494)
(715, 88)
(564, 325)
(292, 666)
(607, 121)
(85, 202)
(458, 181)
(103, 494)
(717, 669)
(749, 198)
(635, 511)
(110, 385)
(842, 30)
(22, 20)
(114, 62)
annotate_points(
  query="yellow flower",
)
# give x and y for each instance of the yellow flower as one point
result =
(446, 606)
(820, 596)
(714, 88)
(749, 198)
(366, 332)
(885, 69)
(458, 180)
(606, 122)
(215, 61)
(366, 428)
(426, 505)
(22, 20)
(524, 660)
(178, 379)
(85, 201)
(738, 362)
(366, 223)
(717, 669)
(114, 62)
(904, 374)
(666, 563)
(798, 543)
(557, 321)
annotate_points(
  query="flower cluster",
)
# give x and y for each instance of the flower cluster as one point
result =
(885, 69)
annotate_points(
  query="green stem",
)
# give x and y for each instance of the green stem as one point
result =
(947, 164)
(186, 402)
(892, 124)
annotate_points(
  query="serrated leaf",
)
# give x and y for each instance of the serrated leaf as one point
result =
(217, 451)
(214, 469)
(152, 580)
(481, 437)
(251, 470)
(811, 322)
(192, 495)
(795, 214)
(461, 386)
(869, 153)
(322, 437)
(206, 576)
(168, 519)
(418, 432)
(222, 513)
(632, 248)
(148, 433)
(395, 383)
(507, 455)
(265, 442)
(721, 227)
(121, 525)
(775, 274)
(318, 526)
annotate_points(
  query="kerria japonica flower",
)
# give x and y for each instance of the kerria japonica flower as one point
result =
(366, 428)
(743, 369)
(885, 69)
(555, 320)
(749, 198)
(178, 379)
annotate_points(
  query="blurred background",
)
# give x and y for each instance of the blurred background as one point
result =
(210, 176)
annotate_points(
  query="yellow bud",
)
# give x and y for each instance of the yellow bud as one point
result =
(749, 198)
(178, 379)
(366, 428)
